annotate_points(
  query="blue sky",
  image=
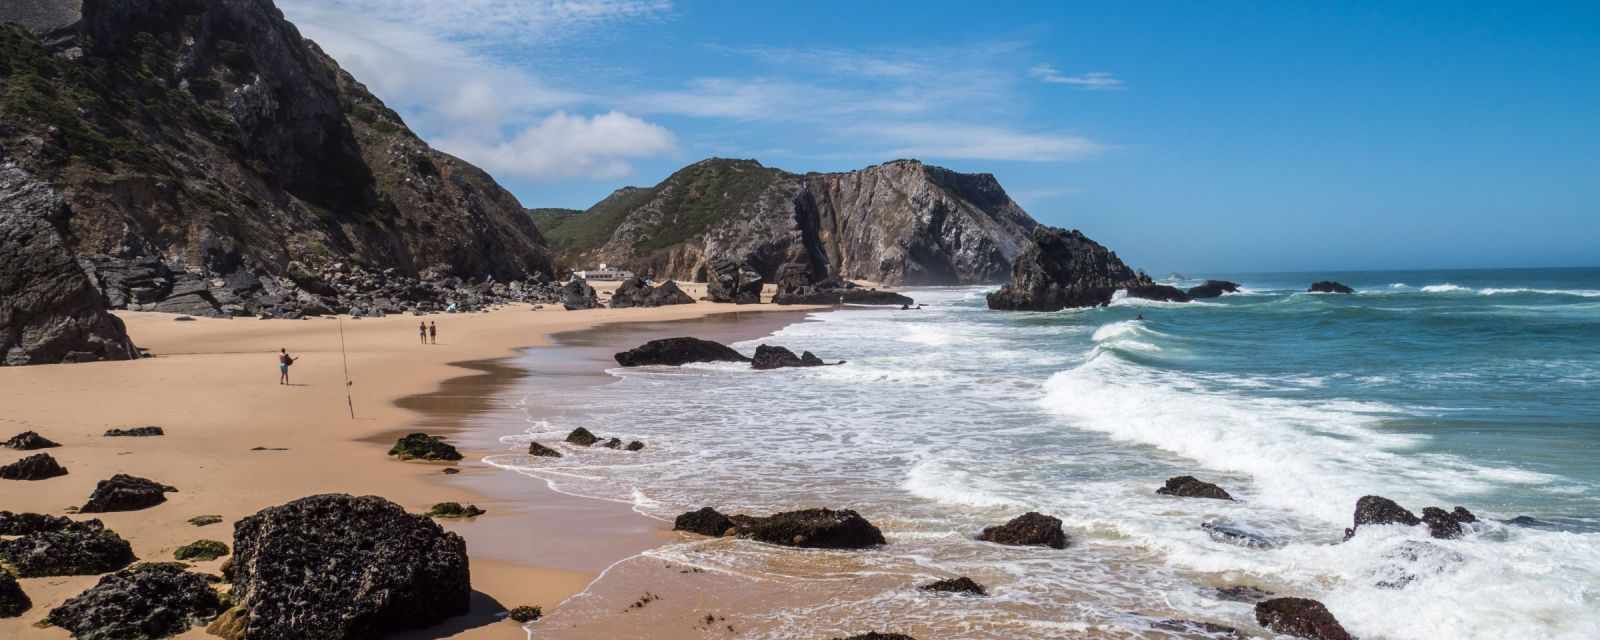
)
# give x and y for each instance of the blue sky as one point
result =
(1187, 136)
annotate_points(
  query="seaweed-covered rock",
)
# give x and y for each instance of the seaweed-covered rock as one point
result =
(1189, 487)
(1213, 289)
(962, 585)
(582, 437)
(201, 550)
(455, 510)
(525, 614)
(13, 601)
(1329, 286)
(201, 521)
(1301, 618)
(1029, 529)
(77, 549)
(1160, 292)
(421, 446)
(149, 601)
(1060, 269)
(39, 466)
(135, 432)
(125, 493)
(768, 357)
(633, 292)
(811, 528)
(1380, 510)
(21, 524)
(707, 522)
(378, 570)
(536, 449)
(677, 352)
(1446, 524)
(577, 294)
(28, 441)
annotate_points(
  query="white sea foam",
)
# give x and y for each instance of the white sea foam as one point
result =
(1444, 288)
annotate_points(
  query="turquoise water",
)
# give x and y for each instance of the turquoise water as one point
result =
(1436, 388)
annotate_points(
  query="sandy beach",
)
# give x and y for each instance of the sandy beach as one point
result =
(237, 441)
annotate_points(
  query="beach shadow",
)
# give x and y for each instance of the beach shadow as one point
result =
(482, 610)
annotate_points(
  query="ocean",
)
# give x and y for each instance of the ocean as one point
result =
(1433, 388)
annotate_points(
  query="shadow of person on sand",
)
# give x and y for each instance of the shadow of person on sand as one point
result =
(482, 610)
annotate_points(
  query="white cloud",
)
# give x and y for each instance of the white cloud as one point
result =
(1093, 81)
(564, 145)
(425, 60)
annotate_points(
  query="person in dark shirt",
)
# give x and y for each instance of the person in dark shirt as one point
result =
(422, 329)
(433, 333)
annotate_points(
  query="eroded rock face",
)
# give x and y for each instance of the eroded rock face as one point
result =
(769, 357)
(1190, 487)
(962, 585)
(146, 602)
(633, 292)
(675, 352)
(1329, 286)
(1029, 529)
(732, 281)
(1301, 618)
(76, 549)
(13, 601)
(123, 492)
(380, 570)
(1213, 289)
(50, 312)
(28, 441)
(39, 466)
(1061, 269)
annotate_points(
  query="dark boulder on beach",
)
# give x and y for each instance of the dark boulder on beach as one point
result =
(769, 357)
(28, 441)
(341, 566)
(123, 492)
(421, 446)
(525, 614)
(135, 432)
(962, 585)
(577, 294)
(634, 292)
(146, 602)
(811, 529)
(675, 352)
(1059, 269)
(1329, 286)
(39, 466)
(1190, 487)
(1159, 292)
(707, 522)
(21, 524)
(13, 601)
(536, 449)
(1301, 618)
(581, 437)
(76, 549)
(732, 281)
(455, 510)
(1213, 289)
(1446, 524)
(1029, 529)
(1378, 510)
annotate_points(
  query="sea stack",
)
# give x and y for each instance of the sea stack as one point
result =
(1061, 269)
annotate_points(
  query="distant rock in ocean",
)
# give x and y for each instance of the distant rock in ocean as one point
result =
(732, 222)
(1213, 289)
(1190, 487)
(1329, 286)
(1061, 269)
(1160, 292)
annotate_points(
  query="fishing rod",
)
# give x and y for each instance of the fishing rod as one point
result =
(345, 356)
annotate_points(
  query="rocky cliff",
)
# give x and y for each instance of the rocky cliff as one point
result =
(1062, 269)
(206, 142)
(900, 222)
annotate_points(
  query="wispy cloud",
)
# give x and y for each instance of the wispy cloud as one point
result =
(1093, 81)
(977, 142)
(434, 62)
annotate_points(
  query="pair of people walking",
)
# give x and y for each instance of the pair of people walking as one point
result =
(429, 332)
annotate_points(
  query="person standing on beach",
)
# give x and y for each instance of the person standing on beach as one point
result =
(284, 360)
(433, 333)
(422, 329)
